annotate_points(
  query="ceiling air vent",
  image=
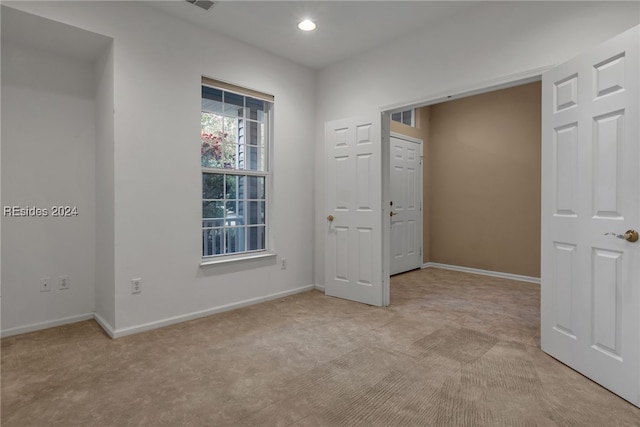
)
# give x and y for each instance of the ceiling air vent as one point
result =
(203, 4)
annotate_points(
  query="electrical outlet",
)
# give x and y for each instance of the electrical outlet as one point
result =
(63, 282)
(136, 286)
(45, 284)
(283, 264)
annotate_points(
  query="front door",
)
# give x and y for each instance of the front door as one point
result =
(590, 287)
(406, 204)
(353, 254)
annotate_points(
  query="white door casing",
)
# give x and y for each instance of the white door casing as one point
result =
(406, 204)
(590, 282)
(353, 249)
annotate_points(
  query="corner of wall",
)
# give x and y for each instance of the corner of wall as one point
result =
(105, 192)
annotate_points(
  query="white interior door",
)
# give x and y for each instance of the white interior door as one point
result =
(590, 158)
(353, 254)
(406, 204)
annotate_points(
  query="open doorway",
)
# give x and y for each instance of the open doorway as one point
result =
(481, 185)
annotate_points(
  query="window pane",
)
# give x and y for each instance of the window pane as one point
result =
(212, 210)
(253, 133)
(252, 162)
(241, 131)
(212, 137)
(256, 187)
(255, 109)
(235, 186)
(212, 185)
(229, 156)
(255, 238)
(233, 104)
(262, 160)
(211, 123)
(255, 214)
(230, 141)
(235, 240)
(241, 157)
(252, 158)
(406, 117)
(396, 117)
(212, 100)
(231, 129)
(212, 242)
(209, 159)
(235, 213)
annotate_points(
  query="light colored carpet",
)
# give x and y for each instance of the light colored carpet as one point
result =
(453, 349)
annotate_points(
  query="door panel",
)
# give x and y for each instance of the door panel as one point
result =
(406, 199)
(354, 240)
(591, 187)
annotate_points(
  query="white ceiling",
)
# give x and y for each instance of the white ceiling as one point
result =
(345, 28)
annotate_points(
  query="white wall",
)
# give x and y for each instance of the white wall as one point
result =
(48, 143)
(158, 61)
(483, 43)
(105, 308)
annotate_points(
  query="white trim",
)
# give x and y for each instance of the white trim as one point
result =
(108, 328)
(385, 141)
(235, 172)
(503, 82)
(246, 256)
(499, 274)
(406, 137)
(45, 325)
(319, 288)
(118, 333)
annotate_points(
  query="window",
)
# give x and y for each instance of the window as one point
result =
(234, 153)
(406, 117)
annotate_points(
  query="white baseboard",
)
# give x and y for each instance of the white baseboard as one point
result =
(108, 328)
(45, 325)
(118, 333)
(499, 274)
(319, 288)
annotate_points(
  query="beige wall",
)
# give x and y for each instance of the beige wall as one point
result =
(415, 132)
(482, 182)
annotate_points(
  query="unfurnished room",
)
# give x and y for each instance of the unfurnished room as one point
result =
(391, 213)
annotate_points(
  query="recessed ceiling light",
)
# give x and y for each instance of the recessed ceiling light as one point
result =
(307, 25)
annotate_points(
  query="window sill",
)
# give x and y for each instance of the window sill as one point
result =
(236, 259)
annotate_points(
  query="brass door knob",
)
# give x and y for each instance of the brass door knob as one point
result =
(631, 236)
(330, 218)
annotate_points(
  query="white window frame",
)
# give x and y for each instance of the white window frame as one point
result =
(268, 251)
(412, 112)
